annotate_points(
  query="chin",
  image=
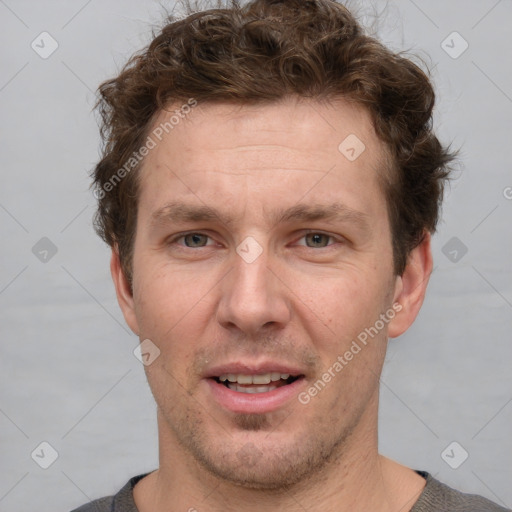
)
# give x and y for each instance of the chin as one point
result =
(266, 461)
(254, 469)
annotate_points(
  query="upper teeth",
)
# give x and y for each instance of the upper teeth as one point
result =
(264, 378)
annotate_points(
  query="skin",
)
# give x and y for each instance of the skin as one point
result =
(302, 301)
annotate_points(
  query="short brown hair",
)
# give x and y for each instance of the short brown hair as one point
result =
(262, 52)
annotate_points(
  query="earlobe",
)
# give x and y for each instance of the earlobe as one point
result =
(123, 291)
(411, 286)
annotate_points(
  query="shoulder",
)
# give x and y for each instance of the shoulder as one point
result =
(120, 502)
(439, 497)
(101, 505)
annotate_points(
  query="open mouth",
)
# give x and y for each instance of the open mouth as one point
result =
(240, 389)
(262, 383)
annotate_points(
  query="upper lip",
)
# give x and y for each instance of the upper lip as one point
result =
(252, 369)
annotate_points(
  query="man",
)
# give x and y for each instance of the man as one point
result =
(269, 185)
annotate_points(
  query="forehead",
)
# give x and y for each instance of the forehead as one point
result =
(307, 126)
(270, 151)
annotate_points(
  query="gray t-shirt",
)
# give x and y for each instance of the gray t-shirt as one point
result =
(436, 497)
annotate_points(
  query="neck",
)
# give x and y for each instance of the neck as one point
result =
(357, 479)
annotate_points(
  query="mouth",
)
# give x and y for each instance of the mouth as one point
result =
(252, 384)
(254, 390)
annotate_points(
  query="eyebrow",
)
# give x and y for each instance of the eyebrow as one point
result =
(178, 211)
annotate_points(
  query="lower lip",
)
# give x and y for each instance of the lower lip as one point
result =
(255, 402)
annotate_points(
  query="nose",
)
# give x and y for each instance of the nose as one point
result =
(253, 297)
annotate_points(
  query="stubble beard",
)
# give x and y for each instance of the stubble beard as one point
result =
(262, 464)
(259, 466)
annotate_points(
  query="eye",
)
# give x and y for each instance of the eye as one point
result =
(317, 240)
(192, 240)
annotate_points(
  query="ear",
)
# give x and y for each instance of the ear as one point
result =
(411, 286)
(123, 291)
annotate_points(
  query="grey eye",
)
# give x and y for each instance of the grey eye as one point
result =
(195, 239)
(316, 239)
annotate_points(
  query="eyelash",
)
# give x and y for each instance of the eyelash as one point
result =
(174, 239)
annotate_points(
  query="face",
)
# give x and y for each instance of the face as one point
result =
(262, 257)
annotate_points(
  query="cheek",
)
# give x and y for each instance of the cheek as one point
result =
(340, 306)
(167, 298)
(173, 311)
(344, 311)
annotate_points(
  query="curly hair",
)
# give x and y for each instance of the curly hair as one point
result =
(263, 52)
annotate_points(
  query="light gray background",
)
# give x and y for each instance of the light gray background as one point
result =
(68, 373)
